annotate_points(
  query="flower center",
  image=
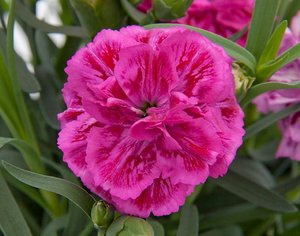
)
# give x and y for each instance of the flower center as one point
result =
(146, 106)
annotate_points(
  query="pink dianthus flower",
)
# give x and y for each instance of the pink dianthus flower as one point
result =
(222, 17)
(150, 114)
(276, 100)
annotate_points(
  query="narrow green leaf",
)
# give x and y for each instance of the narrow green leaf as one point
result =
(31, 158)
(273, 45)
(253, 170)
(225, 231)
(234, 50)
(261, 25)
(261, 88)
(265, 153)
(289, 55)
(11, 100)
(28, 83)
(86, 15)
(49, 102)
(28, 214)
(189, 221)
(60, 186)
(235, 37)
(135, 14)
(27, 190)
(288, 185)
(265, 71)
(45, 47)
(292, 9)
(12, 222)
(55, 225)
(283, 9)
(12, 156)
(76, 221)
(254, 193)
(232, 215)
(27, 129)
(8, 104)
(269, 120)
(23, 13)
(62, 170)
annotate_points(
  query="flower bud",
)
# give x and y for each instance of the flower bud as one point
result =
(170, 9)
(243, 79)
(130, 226)
(102, 214)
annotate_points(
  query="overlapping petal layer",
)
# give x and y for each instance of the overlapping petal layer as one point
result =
(150, 114)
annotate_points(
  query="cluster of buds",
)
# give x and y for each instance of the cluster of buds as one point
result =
(103, 216)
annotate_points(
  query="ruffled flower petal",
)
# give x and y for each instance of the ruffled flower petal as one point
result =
(161, 198)
(120, 164)
(151, 73)
(73, 140)
(197, 65)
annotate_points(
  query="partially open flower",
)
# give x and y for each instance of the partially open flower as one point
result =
(223, 17)
(151, 114)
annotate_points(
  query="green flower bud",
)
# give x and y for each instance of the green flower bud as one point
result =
(130, 226)
(243, 79)
(170, 9)
(102, 214)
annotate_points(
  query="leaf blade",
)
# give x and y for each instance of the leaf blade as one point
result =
(269, 120)
(189, 221)
(264, 11)
(261, 88)
(31, 158)
(23, 13)
(60, 186)
(254, 193)
(10, 215)
(273, 44)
